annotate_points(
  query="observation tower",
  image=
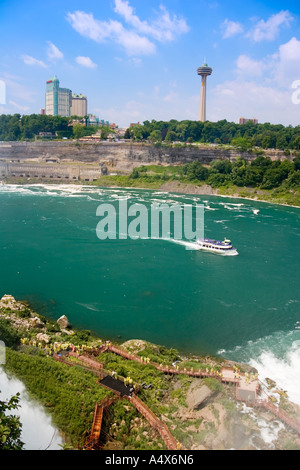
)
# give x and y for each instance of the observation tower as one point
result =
(204, 71)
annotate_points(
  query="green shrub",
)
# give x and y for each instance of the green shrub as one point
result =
(8, 334)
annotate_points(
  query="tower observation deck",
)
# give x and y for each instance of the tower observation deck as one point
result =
(204, 71)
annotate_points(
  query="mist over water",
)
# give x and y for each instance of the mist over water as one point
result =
(244, 307)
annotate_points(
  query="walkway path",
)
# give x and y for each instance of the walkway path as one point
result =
(94, 438)
(155, 422)
(246, 390)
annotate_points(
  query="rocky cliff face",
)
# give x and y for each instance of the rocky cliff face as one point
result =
(57, 159)
(96, 152)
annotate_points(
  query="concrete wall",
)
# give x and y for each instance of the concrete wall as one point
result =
(50, 171)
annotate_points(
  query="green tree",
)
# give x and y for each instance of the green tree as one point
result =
(196, 171)
(239, 171)
(241, 143)
(293, 179)
(78, 130)
(171, 136)
(296, 162)
(155, 136)
(262, 162)
(221, 166)
(105, 131)
(137, 132)
(281, 142)
(10, 426)
(128, 134)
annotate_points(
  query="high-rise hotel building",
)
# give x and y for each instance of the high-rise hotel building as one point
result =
(58, 100)
(79, 105)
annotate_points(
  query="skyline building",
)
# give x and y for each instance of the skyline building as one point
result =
(58, 100)
(242, 120)
(204, 71)
(78, 105)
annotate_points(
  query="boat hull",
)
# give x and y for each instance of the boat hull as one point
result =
(216, 247)
(231, 252)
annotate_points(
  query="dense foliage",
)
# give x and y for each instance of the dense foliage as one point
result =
(10, 426)
(260, 173)
(17, 127)
(243, 136)
(8, 334)
(70, 393)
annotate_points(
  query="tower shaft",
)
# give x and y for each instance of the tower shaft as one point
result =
(204, 71)
(202, 109)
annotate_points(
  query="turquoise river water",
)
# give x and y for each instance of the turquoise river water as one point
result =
(244, 307)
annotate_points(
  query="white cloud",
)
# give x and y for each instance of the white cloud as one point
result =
(27, 59)
(53, 52)
(100, 31)
(290, 51)
(231, 28)
(135, 38)
(262, 88)
(133, 43)
(234, 99)
(248, 66)
(164, 28)
(86, 25)
(86, 62)
(287, 62)
(268, 30)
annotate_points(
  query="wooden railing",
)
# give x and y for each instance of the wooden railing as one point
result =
(155, 422)
(280, 413)
(93, 440)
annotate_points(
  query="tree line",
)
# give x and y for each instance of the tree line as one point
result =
(243, 136)
(262, 172)
(16, 127)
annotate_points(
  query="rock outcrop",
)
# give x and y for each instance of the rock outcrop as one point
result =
(63, 322)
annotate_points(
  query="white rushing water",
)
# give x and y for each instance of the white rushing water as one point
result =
(285, 371)
(38, 433)
(276, 357)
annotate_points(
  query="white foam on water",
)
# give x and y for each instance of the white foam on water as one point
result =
(269, 431)
(276, 357)
(188, 245)
(284, 371)
(92, 307)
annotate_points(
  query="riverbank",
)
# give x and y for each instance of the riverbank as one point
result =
(291, 199)
(201, 413)
(284, 198)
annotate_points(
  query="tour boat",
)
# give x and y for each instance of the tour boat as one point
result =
(220, 247)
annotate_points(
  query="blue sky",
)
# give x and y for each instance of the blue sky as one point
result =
(136, 60)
